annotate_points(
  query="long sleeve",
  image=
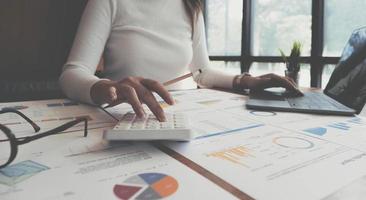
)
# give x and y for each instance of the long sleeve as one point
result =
(78, 76)
(209, 77)
(136, 40)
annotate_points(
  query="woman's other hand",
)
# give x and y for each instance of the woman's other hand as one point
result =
(267, 81)
(132, 90)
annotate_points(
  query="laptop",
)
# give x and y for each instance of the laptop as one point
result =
(345, 93)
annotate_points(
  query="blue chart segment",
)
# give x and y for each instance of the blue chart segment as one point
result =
(341, 125)
(357, 121)
(230, 131)
(320, 131)
(152, 177)
(19, 172)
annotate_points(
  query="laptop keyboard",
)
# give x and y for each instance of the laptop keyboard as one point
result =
(314, 100)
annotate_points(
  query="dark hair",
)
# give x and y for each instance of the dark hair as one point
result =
(193, 8)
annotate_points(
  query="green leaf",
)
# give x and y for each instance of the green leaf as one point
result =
(284, 58)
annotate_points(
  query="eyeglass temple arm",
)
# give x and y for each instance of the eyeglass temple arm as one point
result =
(57, 130)
(10, 110)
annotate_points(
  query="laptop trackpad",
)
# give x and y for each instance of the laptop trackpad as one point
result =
(268, 99)
(269, 103)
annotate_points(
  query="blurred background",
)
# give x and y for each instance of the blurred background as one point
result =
(245, 35)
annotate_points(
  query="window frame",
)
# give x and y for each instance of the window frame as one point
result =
(316, 59)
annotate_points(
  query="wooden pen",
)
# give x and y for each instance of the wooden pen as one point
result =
(181, 78)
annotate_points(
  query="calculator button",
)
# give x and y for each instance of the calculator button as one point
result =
(134, 128)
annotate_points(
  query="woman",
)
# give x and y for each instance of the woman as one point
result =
(145, 43)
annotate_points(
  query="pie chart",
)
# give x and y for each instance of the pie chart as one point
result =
(146, 186)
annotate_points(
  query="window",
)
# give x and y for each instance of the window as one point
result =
(341, 17)
(250, 32)
(224, 19)
(276, 24)
(229, 67)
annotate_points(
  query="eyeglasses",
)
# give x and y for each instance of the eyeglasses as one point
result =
(9, 143)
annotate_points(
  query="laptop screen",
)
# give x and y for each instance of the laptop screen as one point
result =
(348, 81)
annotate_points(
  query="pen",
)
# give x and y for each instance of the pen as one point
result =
(181, 78)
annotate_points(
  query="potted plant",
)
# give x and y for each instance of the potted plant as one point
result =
(293, 61)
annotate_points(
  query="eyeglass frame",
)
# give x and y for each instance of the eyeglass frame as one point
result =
(15, 142)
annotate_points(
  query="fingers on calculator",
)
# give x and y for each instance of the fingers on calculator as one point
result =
(131, 127)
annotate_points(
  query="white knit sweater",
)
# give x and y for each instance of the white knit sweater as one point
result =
(145, 38)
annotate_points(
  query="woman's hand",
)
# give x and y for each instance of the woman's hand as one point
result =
(268, 81)
(132, 90)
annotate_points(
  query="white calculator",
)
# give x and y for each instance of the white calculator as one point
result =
(149, 128)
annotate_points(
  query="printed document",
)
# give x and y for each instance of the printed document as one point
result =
(94, 169)
(273, 163)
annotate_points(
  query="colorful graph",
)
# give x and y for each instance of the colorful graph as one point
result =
(293, 142)
(263, 113)
(146, 186)
(233, 155)
(344, 127)
(19, 172)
